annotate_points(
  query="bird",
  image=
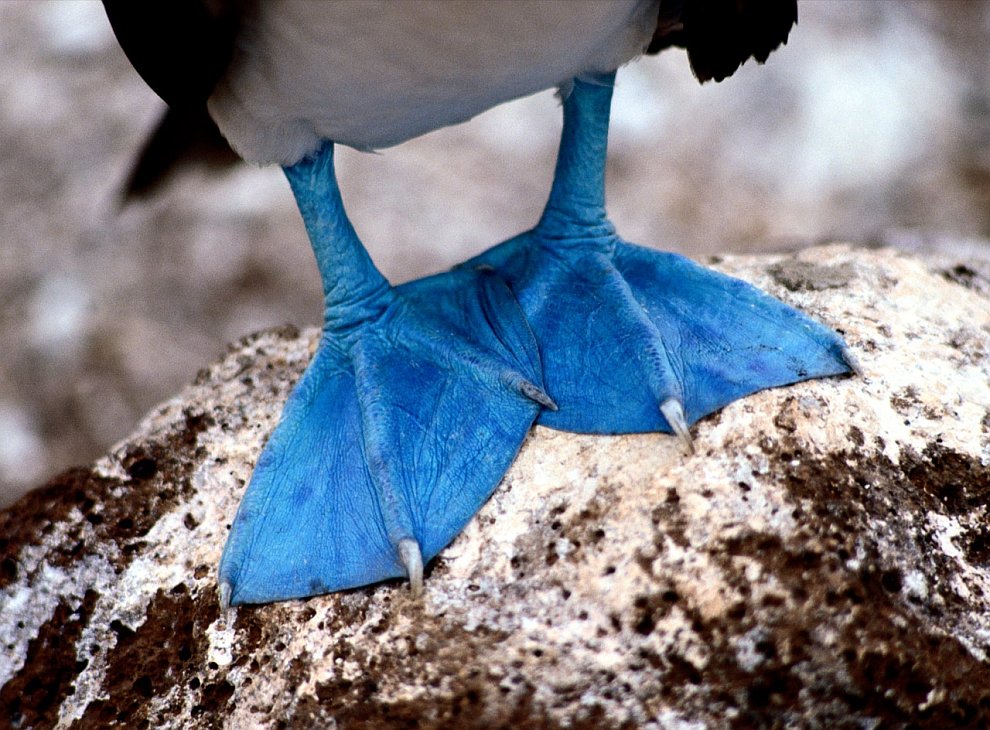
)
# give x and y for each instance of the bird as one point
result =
(419, 396)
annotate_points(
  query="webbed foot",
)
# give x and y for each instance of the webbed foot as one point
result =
(636, 340)
(633, 339)
(413, 407)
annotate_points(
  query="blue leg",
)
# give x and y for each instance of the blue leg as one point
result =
(633, 339)
(414, 405)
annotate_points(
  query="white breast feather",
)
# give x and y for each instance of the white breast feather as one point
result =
(373, 73)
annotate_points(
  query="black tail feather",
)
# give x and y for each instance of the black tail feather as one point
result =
(184, 136)
(721, 35)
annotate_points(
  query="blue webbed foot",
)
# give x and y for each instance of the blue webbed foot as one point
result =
(633, 339)
(413, 407)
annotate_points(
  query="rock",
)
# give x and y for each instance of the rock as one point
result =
(822, 560)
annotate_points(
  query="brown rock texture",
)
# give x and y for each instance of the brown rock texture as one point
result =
(822, 560)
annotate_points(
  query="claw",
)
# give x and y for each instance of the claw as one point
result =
(517, 382)
(402, 427)
(673, 411)
(536, 393)
(852, 361)
(412, 558)
(224, 591)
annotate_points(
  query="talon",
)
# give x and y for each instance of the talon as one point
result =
(412, 558)
(535, 392)
(224, 591)
(673, 411)
(852, 361)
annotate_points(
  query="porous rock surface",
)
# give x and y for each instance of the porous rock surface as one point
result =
(822, 560)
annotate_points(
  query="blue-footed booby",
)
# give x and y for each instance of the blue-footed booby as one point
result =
(419, 396)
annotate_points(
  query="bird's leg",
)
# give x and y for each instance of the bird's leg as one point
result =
(633, 339)
(354, 291)
(575, 211)
(412, 408)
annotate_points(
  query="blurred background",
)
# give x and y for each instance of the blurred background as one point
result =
(872, 125)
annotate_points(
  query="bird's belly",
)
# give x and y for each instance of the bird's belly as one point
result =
(371, 74)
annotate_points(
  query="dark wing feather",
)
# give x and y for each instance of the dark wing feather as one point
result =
(180, 48)
(721, 35)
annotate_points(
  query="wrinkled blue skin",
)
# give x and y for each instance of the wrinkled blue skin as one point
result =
(419, 396)
(413, 407)
(623, 329)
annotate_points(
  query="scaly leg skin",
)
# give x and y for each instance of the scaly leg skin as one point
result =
(632, 339)
(414, 405)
